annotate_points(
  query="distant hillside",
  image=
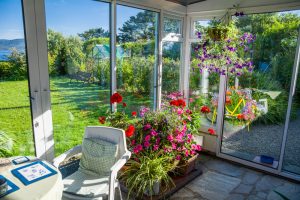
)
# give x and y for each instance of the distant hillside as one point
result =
(8, 44)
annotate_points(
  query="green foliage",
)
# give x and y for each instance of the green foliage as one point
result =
(94, 33)
(142, 175)
(18, 66)
(139, 27)
(5, 70)
(5, 145)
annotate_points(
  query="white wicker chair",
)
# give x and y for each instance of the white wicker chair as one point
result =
(108, 134)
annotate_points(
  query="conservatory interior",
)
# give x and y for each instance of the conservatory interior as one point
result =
(149, 99)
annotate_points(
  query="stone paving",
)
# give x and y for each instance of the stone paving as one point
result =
(222, 180)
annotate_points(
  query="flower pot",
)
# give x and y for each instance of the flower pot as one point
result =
(187, 166)
(155, 189)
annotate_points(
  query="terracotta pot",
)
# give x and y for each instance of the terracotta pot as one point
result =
(188, 166)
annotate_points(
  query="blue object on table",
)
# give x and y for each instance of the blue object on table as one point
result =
(11, 187)
(16, 172)
(20, 160)
(266, 159)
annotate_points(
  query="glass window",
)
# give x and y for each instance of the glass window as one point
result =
(171, 67)
(172, 25)
(200, 25)
(203, 85)
(291, 161)
(256, 103)
(79, 67)
(137, 33)
(16, 134)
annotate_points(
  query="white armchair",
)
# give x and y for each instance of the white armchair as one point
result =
(109, 134)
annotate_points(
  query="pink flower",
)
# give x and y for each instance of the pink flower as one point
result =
(157, 141)
(170, 138)
(153, 132)
(179, 137)
(188, 111)
(133, 142)
(178, 157)
(167, 150)
(179, 111)
(179, 149)
(155, 147)
(186, 153)
(146, 144)
(146, 127)
(191, 100)
(196, 147)
(190, 136)
(147, 138)
(174, 146)
(137, 148)
(193, 152)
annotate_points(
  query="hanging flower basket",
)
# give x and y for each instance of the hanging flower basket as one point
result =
(217, 33)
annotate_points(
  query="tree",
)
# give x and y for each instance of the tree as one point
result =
(139, 27)
(93, 33)
(18, 65)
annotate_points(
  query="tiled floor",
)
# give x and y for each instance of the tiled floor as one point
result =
(224, 180)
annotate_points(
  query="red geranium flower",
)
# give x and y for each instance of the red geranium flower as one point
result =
(240, 116)
(130, 131)
(181, 103)
(102, 120)
(134, 114)
(211, 131)
(205, 109)
(124, 104)
(174, 103)
(116, 98)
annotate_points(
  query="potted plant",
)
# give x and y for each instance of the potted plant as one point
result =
(148, 175)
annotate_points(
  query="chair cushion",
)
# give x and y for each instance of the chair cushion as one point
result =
(86, 185)
(98, 156)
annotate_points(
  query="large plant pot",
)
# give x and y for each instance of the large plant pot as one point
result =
(188, 166)
(155, 189)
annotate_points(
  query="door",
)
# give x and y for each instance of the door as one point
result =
(16, 130)
(262, 143)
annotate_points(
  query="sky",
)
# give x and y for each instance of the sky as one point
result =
(69, 17)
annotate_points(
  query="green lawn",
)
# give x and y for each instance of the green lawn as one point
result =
(74, 106)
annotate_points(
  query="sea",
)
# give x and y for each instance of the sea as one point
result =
(4, 54)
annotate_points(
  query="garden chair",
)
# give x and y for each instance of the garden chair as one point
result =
(93, 184)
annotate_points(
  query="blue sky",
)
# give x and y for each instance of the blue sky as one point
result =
(66, 16)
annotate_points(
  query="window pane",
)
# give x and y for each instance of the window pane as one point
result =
(79, 67)
(291, 161)
(171, 67)
(203, 85)
(264, 93)
(15, 111)
(200, 25)
(137, 60)
(172, 25)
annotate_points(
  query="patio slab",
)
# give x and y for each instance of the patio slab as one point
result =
(223, 180)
